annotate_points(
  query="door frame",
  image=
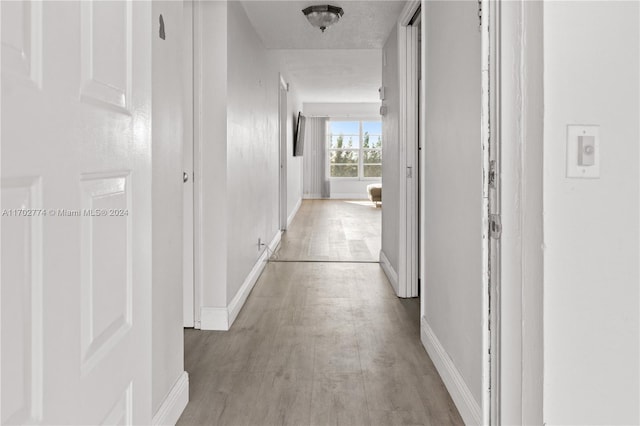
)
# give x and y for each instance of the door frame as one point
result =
(282, 149)
(490, 200)
(198, 146)
(188, 276)
(490, 138)
(517, 295)
(492, 193)
(408, 238)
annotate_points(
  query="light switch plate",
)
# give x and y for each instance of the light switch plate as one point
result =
(583, 137)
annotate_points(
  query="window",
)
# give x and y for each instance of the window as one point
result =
(355, 149)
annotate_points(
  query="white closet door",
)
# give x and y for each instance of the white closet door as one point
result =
(76, 197)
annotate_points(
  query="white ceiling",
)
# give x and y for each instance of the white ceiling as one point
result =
(325, 75)
(282, 25)
(343, 64)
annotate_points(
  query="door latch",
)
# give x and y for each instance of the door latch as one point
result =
(495, 226)
(492, 174)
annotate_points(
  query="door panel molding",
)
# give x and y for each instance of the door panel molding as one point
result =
(22, 275)
(106, 82)
(22, 41)
(105, 319)
(87, 157)
(121, 413)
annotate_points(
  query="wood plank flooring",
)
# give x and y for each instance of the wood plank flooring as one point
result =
(317, 344)
(333, 230)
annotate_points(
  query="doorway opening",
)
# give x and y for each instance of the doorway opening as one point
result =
(342, 163)
(426, 204)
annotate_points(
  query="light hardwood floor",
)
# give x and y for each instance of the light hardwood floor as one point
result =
(320, 343)
(333, 230)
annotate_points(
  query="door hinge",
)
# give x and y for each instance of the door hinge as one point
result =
(479, 15)
(409, 172)
(495, 226)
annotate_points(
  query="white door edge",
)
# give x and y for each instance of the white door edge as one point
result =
(408, 243)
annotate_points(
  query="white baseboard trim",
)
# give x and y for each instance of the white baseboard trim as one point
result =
(241, 296)
(221, 319)
(312, 196)
(460, 393)
(212, 318)
(349, 196)
(174, 403)
(391, 274)
(294, 212)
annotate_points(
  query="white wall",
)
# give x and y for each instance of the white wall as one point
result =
(391, 138)
(452, 298)
(167, 341)
(341, 109)
(210, 153)
(237, 158)
(294, 164)
(252, 147)
(591, 230)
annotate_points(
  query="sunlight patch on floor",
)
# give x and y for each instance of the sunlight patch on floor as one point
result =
(361, 203)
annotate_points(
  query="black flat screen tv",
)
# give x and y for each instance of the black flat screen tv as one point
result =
(298, 136)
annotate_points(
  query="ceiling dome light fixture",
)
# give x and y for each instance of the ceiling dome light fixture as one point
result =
(323, 16)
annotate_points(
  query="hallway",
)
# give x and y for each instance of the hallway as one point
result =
(318, 343)
(330, 230)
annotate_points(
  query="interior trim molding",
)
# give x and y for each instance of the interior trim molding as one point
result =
(391, 274)
(460, 393)
(241, 296)
(294, 212)
(312, 197)
(409, 10)
(221, 319)
(214, 318)
(408, 153)
(174, 403)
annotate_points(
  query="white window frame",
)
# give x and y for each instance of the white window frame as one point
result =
(360, 149)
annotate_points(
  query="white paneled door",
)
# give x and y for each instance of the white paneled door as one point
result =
(76, 218)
